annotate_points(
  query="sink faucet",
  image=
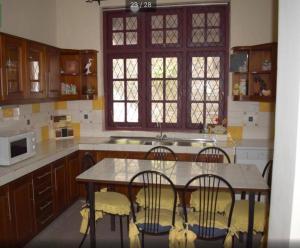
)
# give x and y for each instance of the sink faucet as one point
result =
(161, 136)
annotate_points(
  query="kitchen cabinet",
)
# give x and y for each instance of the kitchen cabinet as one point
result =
(6, 221)
(60, 185)
(22, 199)
(13, 70)
(53, 72)
(73, 170)
(36, 70)
(43, 195)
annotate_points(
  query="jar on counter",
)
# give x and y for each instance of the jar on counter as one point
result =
(243, 87)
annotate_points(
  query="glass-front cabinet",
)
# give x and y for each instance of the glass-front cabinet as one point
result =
(13, 57)
(36, 63)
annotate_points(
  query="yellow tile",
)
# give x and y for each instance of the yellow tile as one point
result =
(45, 133)
(236, 132)
(76, 129)
(99, 103)
(36, 108)
(8, 112)
(60, 105)
(266, 107)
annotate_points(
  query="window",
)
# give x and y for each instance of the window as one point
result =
(166, 67)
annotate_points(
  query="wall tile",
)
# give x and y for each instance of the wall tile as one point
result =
(8, 113)
(99, 103)
(76, 128)
(44, 133)
(236, 132)
(266, 107)
(36, 107)
(60, 105)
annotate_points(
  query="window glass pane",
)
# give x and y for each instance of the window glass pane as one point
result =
(132, 90)
(156, 112)
(213, 35)
(117, 23)
(119, 112)
(34, 70)
(171, 112)
(171, 36)
(118, 90)
(212, 90)
(198, 64)
(198, 35)
(213, 67)
(157, 90)
(132, 68)
(118, 68)
(198, 20)
(132, 112)
(197, 113)
(157, 22)
(157, 67)
(118, 39)
(157, 37)
(212, 113)
(171, 21)
(131, 23)
(171, 90)
(171, 67)
(131, 38)
(213, 19)
(197, 91)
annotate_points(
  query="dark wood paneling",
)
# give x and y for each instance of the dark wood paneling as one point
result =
(73, 170)
(53, 72)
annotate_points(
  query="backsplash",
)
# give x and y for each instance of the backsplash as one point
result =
(88, 118)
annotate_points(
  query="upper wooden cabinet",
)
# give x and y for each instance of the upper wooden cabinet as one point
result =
(13, 67)
(36, 70)
(53, 72)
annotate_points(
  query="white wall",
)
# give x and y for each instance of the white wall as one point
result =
(285, 202)
(32, 19)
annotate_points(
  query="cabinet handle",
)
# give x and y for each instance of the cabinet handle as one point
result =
(43, 191)
(45, 205)
(47, 219)
(9, 208)
(44, 175)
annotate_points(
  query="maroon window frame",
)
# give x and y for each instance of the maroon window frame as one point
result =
(185, 48)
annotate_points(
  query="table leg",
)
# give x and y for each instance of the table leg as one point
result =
(250, 219)
(91, 194)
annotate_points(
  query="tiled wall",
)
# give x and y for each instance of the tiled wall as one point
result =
(88, 118)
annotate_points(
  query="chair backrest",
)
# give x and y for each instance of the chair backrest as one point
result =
(213, 154)
(87, 161)
(267, 172)
(152, 183)
(206, 222)
(161, 153)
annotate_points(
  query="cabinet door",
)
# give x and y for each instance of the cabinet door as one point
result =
(36, 62)
(60, 185)
(53, 72)
(13, 56)
(73, 170)
(22, 209)
(6, 224)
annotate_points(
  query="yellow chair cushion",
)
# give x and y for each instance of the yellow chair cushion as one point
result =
(112, 203)
(220, 220)
(166, 198)
(240, 215)
(224, 198)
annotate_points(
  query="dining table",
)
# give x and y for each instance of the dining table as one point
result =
(114, 171)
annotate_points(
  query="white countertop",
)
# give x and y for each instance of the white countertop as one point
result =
(255, 144)
(50, 151)
(120, 171)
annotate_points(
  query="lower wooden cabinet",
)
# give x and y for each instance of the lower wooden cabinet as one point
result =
(73, 170)
(6, 222)
(22, 204)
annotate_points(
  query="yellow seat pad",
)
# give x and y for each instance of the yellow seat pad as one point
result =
(224, 198)
(166, 197)
(241, 212)
(112, 203)
(220, 220)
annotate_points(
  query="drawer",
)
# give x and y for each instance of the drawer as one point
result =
(44, 191)
(44, 208)
(45, 217)
(42, 176)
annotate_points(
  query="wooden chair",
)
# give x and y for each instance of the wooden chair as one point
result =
(213, 154)
(161, 153)
(207, 223)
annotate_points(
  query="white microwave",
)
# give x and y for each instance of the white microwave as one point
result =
(16, 146)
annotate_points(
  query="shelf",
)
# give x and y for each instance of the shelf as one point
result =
(240, 72)
(261, 72)
(70, 74)
(254, 98)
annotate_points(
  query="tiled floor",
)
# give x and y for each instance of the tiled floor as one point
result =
(64, 232)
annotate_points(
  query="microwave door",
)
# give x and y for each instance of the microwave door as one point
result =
(18, 147)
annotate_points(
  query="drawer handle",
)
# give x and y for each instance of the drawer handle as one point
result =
(45, 190)
(45, 205)
(46, 220)
(44, 175)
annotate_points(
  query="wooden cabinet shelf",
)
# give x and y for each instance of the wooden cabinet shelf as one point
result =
(254, 75)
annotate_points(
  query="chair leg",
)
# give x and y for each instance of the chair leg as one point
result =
(121, 231)
(112, 223)
(143, 240)
(127, 218)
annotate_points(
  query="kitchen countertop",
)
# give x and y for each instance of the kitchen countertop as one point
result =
(52, 150)
(255, 144)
